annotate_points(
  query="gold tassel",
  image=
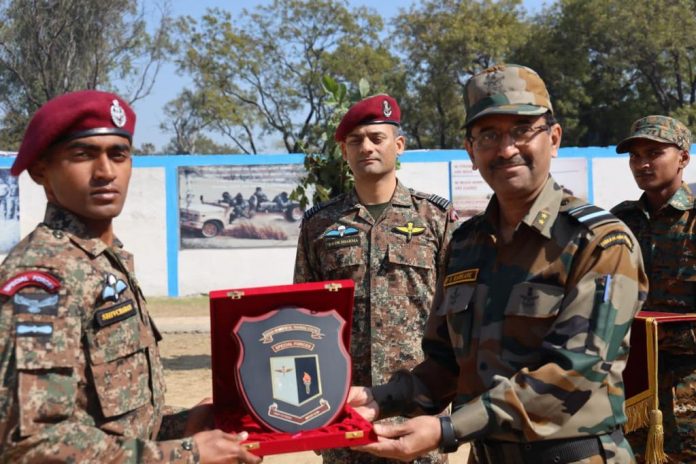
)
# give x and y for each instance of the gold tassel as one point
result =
(637, 415)
(654, 451)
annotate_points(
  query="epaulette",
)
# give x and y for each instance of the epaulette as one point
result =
(627, 205)
(318, 207)
(589, 215)
(473, 221)
(441, 202)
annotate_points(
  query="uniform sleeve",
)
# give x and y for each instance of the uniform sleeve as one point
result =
(305, 271)
(581, 357)
(69, 441)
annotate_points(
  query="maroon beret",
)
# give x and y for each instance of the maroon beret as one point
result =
(71, 116)
(378, 109)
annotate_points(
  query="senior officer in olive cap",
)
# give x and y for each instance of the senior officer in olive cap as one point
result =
(664, 221)
(81, 375)
(386, 237)
(531, 329)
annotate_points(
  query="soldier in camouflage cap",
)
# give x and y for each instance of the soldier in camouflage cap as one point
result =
(664, 221)
(530, 333)
(386, 237)
(80, 374)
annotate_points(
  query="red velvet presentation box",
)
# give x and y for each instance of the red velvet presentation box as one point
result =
(231, 414)
(641, 374)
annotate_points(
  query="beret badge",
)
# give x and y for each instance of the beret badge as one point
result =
(118, 115)
(386, 109)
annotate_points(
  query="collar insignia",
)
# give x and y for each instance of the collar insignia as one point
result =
(118, 116)
(340, 231)
(409, 230)
(113, 288)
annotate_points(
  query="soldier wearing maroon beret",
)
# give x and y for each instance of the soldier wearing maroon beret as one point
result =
(80, 374)
(389, 239)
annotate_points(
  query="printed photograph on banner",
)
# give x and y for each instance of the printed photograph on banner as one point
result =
(470, 193)
(239, 206)
(9, 211)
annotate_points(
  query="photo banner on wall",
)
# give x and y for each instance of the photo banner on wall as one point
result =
(470, 193)
(239, 206)
(9, 211)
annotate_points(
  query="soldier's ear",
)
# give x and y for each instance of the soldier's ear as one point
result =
(469, 147)
(684, 158)
(343, 150)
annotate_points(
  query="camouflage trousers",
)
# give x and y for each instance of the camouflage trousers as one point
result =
(677, 396)
(347, 456)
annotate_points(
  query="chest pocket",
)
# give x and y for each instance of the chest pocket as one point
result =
(457, 306)
(119, 364)
(531, 310)
(411, 268)
(46, 360)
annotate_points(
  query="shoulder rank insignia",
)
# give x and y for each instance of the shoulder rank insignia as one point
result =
(340, 231)
(591, 215)
(30, 279)
(113, 288)
(318, 207)
(409, 230)
(616, 238)
(442, 203)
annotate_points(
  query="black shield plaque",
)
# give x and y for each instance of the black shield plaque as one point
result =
(293, 370)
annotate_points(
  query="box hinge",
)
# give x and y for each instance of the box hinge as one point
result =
(252, 445)
(333, 287)
(235, 294)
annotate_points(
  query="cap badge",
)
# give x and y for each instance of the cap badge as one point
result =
(118, 116)
(386, 109)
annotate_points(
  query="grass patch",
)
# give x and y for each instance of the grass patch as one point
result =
(184, 306)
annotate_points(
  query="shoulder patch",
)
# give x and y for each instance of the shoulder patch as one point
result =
(590, 215)
(618, 237)
(318, 207)
(30, 278)
(441, 202)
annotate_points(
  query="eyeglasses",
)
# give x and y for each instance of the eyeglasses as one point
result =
(522, 135)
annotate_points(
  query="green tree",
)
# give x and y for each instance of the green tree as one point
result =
(328, 175)
(444, 42)
(49, 47)
(608, 62)
(263, 72)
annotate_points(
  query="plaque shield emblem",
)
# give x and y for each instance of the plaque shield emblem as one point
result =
(293, 370)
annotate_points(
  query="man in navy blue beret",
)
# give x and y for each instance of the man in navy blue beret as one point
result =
(81, 375)
(389, 239)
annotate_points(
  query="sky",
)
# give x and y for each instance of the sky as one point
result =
(168, 83)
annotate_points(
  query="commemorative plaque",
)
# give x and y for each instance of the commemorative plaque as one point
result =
(293, 370)
(281, 367)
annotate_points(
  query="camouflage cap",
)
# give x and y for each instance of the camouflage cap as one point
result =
(659, 128)
(506, 89)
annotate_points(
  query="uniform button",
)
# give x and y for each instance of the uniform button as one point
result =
(527, 447)
(58, 233)
(187, 445)
(557, 459)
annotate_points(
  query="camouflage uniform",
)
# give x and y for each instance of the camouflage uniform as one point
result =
(530, 337)
(80, 369)
(667, 239)
(394, 261)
